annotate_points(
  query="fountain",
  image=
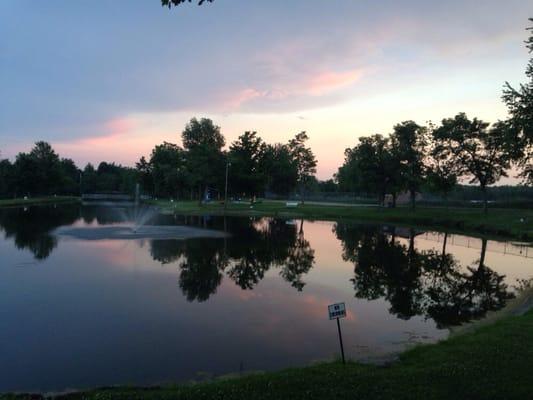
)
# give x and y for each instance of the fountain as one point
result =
(136, 223)
(128, 232)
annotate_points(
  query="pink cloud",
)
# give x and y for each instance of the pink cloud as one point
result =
(311, 84)
(118, 141)
(243, 96)
(120, 125)
(329, 81)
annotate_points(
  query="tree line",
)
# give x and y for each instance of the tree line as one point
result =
(434, 157)
(437, 157)
(412, 158)
(198, 169)
(42, 172)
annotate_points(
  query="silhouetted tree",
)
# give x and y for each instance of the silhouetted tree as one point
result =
(371, 167)
(442, 169)
(7, 179)
(170, 3)
(304, 160)
(204, 160)
(168, 169)
(246, 155)
(519, 102)
(408, 142)
(478, 151)
(280, 169)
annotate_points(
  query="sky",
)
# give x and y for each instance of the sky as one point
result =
(108, 80)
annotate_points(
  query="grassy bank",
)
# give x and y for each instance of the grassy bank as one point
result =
(508, 223)
(38, 201)
(492, 362)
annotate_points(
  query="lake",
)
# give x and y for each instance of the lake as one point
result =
(78, 313)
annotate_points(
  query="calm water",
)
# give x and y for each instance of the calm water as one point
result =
(76, 314)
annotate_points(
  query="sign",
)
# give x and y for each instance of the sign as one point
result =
(337, 310)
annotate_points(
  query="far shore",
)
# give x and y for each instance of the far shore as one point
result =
(502, 223)
(32, 201)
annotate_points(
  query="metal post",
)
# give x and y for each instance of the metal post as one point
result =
(226, 187)
(340, 340)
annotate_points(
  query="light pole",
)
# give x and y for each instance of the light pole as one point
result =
(226, 187)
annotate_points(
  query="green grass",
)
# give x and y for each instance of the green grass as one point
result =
(498, 223)
(492, 362)
(38, 201)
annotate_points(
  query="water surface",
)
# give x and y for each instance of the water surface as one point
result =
(78, 313)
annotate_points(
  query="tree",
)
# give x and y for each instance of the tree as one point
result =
(478, 151)
(70, 177)
(6, 178)
(89, 178)
(245, 155)
(371, 167)
(304, 159)
(39, 171)
(170, 3)
(328, 186)
(144, 168)
(408, 142)
(441, 168)
(280, 169)
(204, 160)
(519, 102)
(167, 167)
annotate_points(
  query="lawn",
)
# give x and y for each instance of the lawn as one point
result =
(37, 201)
(505, 223)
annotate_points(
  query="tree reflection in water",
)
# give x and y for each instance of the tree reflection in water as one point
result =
(427, 283)
(30, 227)
(256, 246)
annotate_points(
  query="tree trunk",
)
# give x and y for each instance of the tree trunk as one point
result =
(485, 202)
(413, 199)
(394, 195)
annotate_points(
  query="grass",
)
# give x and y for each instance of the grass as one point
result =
(492, 362)
(505, 223)
(38, 201)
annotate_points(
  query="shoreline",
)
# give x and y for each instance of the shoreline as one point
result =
(37, 201)
(500, 224)
(488, 361)
(508, 224)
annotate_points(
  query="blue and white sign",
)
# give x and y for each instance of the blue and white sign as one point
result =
(337, 310)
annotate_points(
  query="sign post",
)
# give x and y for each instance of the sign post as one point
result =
(338, 311)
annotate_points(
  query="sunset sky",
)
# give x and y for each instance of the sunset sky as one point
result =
(107, 80)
